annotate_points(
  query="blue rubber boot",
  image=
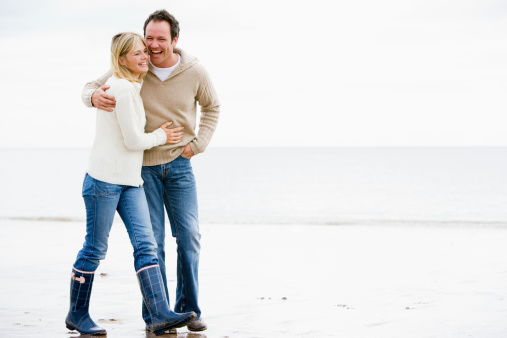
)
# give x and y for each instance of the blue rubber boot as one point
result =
(80, 291)
(154, 297)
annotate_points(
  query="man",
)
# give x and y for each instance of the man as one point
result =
(175, 83)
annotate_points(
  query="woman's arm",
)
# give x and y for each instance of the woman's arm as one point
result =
(128, 117)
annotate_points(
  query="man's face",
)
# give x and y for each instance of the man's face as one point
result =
(160, 46)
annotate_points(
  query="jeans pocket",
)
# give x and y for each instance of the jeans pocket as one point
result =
(87, 186)
(101, 188)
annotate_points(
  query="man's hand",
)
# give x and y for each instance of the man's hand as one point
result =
(187, 151)
(102, 100)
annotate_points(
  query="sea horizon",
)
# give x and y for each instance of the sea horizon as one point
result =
(442, 186)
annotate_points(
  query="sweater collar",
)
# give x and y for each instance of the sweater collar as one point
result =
(136, 85)
(186, 62)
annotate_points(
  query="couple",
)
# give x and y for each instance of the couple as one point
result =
(164, 107)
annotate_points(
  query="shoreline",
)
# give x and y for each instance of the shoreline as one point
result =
(356, 222)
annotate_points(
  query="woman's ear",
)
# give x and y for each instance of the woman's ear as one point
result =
(121, 60)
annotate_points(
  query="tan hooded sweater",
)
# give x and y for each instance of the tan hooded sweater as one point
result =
(174, 100)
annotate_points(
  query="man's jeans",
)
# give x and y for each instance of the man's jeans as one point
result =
(173, 185)
(102, 200)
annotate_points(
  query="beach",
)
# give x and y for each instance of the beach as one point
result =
(275, 280)
(296, 242)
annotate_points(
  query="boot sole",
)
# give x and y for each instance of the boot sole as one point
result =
(74, 328)
(175, 326)
(170, 331)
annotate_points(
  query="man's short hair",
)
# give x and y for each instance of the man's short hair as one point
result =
(163, 15)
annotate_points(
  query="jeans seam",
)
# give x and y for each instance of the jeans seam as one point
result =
(183, 295)
(131, 223)
(94, 226)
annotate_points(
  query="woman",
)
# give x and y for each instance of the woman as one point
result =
(113, 183)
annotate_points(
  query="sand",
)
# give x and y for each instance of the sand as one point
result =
(275, 281)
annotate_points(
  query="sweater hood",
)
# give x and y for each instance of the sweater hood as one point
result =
(187, 61)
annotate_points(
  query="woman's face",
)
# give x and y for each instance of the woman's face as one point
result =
(136, 60)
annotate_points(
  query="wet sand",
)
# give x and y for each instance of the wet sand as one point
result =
(275, 281)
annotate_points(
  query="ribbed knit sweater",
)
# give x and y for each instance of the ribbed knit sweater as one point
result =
(175, 100)
(117, 153)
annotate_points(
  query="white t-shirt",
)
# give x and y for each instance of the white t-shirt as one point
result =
(164, 73)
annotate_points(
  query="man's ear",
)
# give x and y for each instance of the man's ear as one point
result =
(175, 41)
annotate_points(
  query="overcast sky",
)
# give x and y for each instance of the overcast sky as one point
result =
(288, 73)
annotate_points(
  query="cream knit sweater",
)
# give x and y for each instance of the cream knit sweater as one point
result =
(175, 100)
(117, 153)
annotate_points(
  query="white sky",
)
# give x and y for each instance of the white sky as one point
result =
(288, 73)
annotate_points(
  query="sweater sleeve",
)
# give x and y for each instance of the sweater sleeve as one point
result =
(91, 87)
(128, 118)
(210, 109)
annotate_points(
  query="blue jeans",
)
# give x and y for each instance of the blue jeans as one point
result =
(173, 185)
(102, 200)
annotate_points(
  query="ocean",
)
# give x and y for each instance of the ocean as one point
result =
(326, 186)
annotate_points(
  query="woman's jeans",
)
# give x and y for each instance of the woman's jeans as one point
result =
(102, 200)
(173, 185)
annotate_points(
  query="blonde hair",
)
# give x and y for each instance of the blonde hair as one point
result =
(121, 45)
